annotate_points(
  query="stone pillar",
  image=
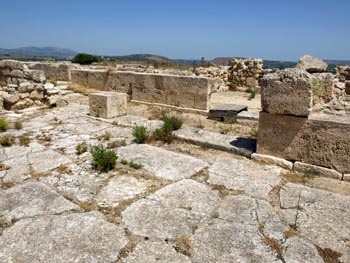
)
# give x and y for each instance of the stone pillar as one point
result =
(107, 104)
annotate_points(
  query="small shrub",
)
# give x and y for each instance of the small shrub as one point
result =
(140, 134)
(112, 145)
(164, 134)
(3, 124)
(84, 59)
(24, 140)
(103, 160)
(107, 136)
(123, 161)
(135, 165)
(252, 91)
(172, 122)
(52, 81)
(18, 125)
(215, 215)
(81, 148)
(7, 140)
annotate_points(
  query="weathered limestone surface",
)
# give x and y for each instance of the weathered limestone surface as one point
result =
(175, 210)
(85, 237)
(253, 179)
(32, 199)
(162, 163)
(319, 215)
(287, 91)
(300, 250)
(237, 232)
(119, 189)
(222, 142)
(272, 160)
(312, 64)
(183, 91)
(107, 104)
(318, 140)
(155, 252)
(316, 170)
(56, 71)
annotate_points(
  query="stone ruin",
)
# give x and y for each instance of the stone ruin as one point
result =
(305, 117)
(245, 73)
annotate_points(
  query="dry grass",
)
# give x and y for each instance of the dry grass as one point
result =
(275, 246)
(4, 167)
(81, 89)
(290, 233)
(64, 169)
(183, 245)
(328, 255)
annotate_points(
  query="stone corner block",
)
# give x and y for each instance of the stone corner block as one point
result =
(287, 92)
(108, 104)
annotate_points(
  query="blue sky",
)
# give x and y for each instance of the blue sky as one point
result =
(269, 29)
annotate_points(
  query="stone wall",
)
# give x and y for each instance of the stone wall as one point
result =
(245, 72)
(55, 71)
(300, 120)
(218, 75)
(182, 91)
(20, 87)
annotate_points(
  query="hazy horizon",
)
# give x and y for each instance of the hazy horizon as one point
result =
(271, 29)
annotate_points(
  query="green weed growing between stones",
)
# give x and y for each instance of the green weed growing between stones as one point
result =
(103, 160)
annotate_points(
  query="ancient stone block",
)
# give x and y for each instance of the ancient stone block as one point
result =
(182, 91)
(319, 140)
(107, 104)
(56, 71)
(187, 92)
(312, 64)
(287, 92)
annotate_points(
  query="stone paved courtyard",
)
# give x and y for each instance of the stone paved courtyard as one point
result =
(186, 204)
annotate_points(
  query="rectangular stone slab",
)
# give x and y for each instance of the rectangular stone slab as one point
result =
(316, 140)
(226, 111)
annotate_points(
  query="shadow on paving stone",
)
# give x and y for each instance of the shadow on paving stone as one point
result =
(246, 143)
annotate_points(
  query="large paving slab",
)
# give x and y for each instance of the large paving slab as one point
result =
(234, 144)
(121, 188)
(85, 237)
(32, 199)
(155, 252)
(298, 249)
(80, 184)
(236, 233)
(174, 210)
(320, 215)
(46, 160)
(244, 175)
(162, 163)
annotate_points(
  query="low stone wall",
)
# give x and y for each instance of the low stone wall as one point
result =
(245, 72)
(55, 71)
(20, 87)
(182, 91)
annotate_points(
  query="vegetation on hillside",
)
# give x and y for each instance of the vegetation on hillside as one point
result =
(85, 59)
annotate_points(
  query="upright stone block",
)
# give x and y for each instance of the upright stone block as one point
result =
(107, 104)
(320, 139)
(287, 92)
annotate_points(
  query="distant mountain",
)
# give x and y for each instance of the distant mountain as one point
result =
(140, 58)
(39, 52)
